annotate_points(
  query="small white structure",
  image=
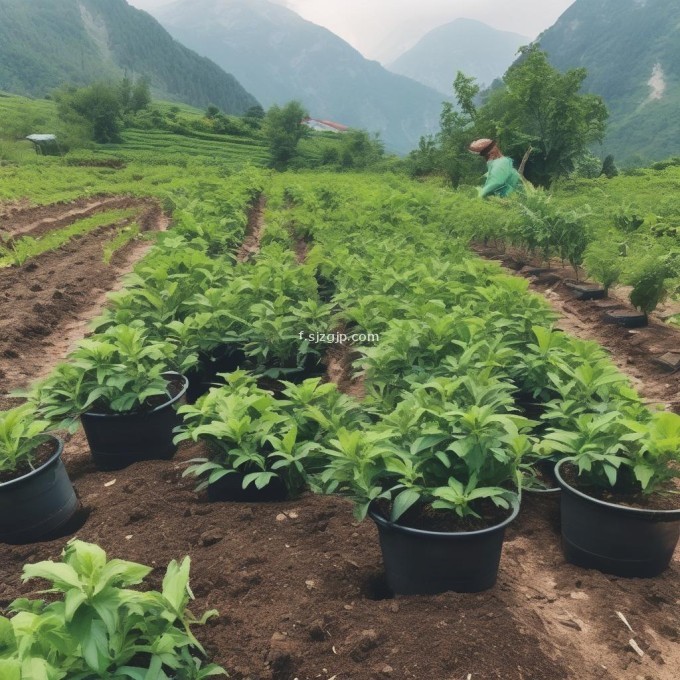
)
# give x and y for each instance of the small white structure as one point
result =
(45, 145)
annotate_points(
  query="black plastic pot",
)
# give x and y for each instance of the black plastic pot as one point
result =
(421, 562)
(120, 439)
(548, 470)
(230, 488)
(586, 291)
(614, 538)
(36, 506)
(226, 359)
(626, 319)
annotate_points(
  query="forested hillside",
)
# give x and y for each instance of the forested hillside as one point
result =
(45, 43)
(279, 56)
(631, 49)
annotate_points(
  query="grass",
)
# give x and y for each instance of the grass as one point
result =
(124, 236)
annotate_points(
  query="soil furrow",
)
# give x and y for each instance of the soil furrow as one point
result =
(40, 219)
(46, 226)
(48, 303)
(254, 231)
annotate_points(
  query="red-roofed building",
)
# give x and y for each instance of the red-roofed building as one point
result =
(324, 125)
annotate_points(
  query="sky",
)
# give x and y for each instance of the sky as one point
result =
(382, 29)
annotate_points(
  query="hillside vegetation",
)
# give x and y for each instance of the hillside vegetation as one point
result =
(631, 49)
(279, 56)
(47, 43)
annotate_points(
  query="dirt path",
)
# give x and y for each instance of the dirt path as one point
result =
(48, 302)
(254, 231)
(635, 352)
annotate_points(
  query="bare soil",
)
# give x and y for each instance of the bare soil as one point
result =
(254, 231)
(17, 218)
(300, 591)
(300, 586)
(47, 304)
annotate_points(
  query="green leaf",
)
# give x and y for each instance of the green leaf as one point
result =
(61, 575)
(405, 500)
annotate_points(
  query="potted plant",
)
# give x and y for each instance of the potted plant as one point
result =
(620, 507)
(99, 624)
(441, 490)
(649, 277)
(37, 498)
(261, 448)
(124, 391)
(604, 263)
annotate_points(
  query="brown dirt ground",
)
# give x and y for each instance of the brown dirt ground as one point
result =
(299, 585)
(254, 230)
(17, 218)
(48, 302)
(298, 589)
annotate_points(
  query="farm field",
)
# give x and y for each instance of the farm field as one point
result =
(299, 585)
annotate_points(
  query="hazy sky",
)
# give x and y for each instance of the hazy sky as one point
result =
(379, 28)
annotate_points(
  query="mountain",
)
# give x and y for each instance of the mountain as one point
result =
(45, 43)
(279, 56)
(461, 45)
(631, 49)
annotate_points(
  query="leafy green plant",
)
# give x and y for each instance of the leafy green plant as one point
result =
(449, 456)
(251, 433)
(603, 262)
(117, 371)
(628, 456)
(21, 433)
(649, 277)
(97, 625)
(628, 218)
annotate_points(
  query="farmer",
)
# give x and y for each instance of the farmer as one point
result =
(501, 178)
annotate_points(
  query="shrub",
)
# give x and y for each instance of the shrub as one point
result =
(603, 262)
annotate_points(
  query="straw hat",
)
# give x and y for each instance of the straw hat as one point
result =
(482, 146)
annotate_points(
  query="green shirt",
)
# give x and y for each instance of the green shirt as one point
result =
(501, 178)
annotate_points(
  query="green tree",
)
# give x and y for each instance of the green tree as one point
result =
(98, 106)
(125, 93)
(541, 107)
(363, 149)
(254, 116)
(212, 112)
(447, 153)
(141, 95)
(284, 129)
(609, 168)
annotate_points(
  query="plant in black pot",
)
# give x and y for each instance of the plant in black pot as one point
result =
(125, 390)
(258, 452)
(277, 338)
(604, 263)
(650, 277)
(620, 496)
(37, 498)
(441, 491)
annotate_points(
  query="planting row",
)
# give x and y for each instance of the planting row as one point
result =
(541, 231)
(471, 396)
